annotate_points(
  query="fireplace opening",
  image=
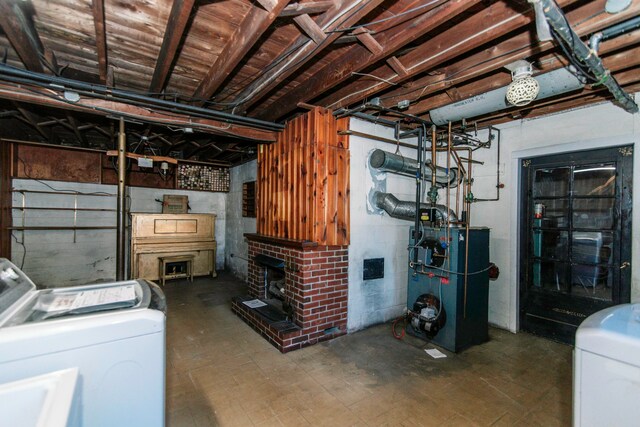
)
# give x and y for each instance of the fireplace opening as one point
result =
(275, 285)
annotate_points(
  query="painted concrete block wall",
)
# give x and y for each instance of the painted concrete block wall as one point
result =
(376, 235)
(236, 245)
(53, 258)
(597, 126)
(372, 236)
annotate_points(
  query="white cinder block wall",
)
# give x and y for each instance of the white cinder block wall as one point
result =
(236, 251)
(375, 236)
(53, 258)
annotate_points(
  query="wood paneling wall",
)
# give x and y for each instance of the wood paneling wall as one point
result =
(6, 166)
(303, 181)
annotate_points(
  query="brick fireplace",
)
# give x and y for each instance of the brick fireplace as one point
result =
(315, 286)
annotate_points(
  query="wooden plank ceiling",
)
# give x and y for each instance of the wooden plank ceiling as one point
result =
(265, 58)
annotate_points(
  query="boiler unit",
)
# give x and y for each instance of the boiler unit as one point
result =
(447, 306)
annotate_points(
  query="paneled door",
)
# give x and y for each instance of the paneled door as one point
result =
(575, 225)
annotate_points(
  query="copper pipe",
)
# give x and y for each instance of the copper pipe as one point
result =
(434, 162)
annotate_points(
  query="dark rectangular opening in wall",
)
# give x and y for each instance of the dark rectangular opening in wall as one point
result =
(249, 199)
(373, 268)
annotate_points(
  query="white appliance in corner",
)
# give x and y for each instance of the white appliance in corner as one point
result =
(114, 333)
(606, 368)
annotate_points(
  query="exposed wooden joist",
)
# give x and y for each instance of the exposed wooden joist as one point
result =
(310, 28)
(358, 58)
(79, 135)
(246, 35)
(369, 41)
(481, 28)
(497, 56)
(32, 120)
(616, 62)
(178, 19)
(309, 8)
(101, 38)
(269, 80)
(40, 96)
(22, 34)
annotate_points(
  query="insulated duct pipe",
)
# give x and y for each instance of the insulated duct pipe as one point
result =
(395, 163)
(552, 83)
(561, 27)
(402, 209)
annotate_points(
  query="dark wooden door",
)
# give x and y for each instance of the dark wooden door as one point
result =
(575, 238)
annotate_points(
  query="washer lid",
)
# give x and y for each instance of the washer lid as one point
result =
(613, 332)
(14, 285)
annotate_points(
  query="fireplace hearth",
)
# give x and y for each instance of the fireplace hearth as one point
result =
(305, 281)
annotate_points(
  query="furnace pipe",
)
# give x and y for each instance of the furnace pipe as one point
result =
(120, 209)
(395, 163)
(404, 209)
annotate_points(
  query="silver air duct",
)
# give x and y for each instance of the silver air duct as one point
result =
(389, 162)
(552, 83)
(407, 210)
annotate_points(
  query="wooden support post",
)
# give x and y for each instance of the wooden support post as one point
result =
(120, 226)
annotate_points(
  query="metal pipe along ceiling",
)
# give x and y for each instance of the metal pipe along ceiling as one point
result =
(552, 83)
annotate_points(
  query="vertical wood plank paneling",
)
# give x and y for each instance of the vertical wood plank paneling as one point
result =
(303, 191)
(311, 170)
(343, 192)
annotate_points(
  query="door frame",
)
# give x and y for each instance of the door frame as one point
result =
(516, 204)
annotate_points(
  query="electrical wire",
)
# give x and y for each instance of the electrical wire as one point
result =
(394, 327)
(24, 249)
(80, 193)
(388, 18)
(458, 273)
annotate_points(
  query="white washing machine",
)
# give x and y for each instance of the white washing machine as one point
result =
(114, 333)
(606, 368)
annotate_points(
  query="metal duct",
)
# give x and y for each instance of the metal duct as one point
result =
(552, 83)
(402, 209)
(389, 162)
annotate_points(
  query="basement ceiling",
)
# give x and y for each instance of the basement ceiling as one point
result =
(269, 60)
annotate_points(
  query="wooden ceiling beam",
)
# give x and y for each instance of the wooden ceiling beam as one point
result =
(357, 58)
(458, 40)
(497, 56)
(173, 33)
(102, 107)
(310, 8)
(31, 119)
(256, 22)
(22, 34)
(273, 78)
(617, 62)
(310, 28)
(76, 130)
(101, 38)
(494, 22)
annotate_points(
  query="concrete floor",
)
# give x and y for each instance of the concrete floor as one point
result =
(221, 372)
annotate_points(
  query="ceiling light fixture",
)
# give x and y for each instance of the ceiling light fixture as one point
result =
(524, 88)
